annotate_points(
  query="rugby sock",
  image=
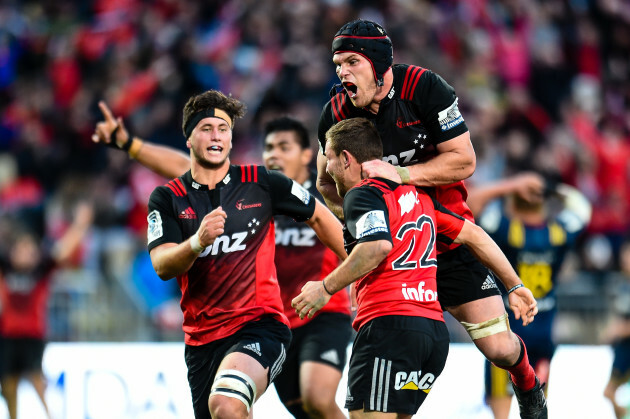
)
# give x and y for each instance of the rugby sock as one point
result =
(521, 373)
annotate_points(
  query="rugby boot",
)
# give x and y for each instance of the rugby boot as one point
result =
(532, 403)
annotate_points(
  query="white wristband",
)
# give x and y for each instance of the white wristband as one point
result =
(195, 244)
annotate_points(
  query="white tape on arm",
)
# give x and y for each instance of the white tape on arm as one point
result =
(195, 244)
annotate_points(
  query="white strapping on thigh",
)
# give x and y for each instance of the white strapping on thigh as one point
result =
(487, 328)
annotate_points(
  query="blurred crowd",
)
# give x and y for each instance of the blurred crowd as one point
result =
(542, 85)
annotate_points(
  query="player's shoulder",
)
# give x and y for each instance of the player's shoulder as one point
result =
(371, 188)
(412, 81)
(165, 193)
(338, 108)
(247, 173)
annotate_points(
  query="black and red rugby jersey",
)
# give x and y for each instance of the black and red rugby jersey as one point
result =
(404, 282)
(301, 257)
(234, 280)
(24, 299)
(419, 112)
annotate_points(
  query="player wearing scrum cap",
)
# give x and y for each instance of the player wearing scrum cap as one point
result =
(425, 143)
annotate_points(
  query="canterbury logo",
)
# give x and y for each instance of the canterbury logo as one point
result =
(241, 206)
(188, 214)
(401, 124)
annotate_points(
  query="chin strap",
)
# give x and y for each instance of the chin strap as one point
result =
(336, 88)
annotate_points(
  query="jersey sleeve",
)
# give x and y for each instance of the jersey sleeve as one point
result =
(449, 224)
(437, 104)
(290, 198)
(325, 122)
(366, 215)
(163, 226)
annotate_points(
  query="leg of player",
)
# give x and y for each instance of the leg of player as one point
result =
(498, 391)
(318, 386)
(486, 321)
(610, 391)
(360, 414)
(239, 382)
(38, 381)
(9, 392)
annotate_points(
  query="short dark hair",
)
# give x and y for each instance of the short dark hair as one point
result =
(358, 136)
(286, 123)
(212, 99)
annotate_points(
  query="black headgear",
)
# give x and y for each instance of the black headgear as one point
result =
(368, 39)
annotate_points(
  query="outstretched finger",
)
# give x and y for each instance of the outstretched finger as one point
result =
(109, 117)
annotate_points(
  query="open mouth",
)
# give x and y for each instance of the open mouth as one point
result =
(215, 149)
(351, 88)
(275, 167)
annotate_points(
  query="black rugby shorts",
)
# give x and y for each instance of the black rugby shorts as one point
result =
(324, 339)
(461, 278)
(395, 361)
(265, 340)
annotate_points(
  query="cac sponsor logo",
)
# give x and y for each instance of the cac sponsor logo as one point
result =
(418, 293)
(407, 202)
(299, 237)
(414, 380)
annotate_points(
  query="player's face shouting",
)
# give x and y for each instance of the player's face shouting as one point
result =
(211, 142)
(355, 73)
(283, 153)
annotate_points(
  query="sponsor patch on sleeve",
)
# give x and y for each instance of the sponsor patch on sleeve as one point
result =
(155, 230)
(300, 193)
(371, 223)
(450, 117)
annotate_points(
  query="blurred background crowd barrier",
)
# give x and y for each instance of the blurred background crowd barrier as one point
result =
(542, 85)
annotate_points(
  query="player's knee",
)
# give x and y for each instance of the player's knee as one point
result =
(295, 407)
(495, 340)
(238, 391)
(223, 408)
(501, 350)
(317, 405)
(318, 398)
(610, 391)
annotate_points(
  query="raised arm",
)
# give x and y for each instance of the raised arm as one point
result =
(455, 161)
(69, 242)
(529, 186)
(521, 299)
(163, 160)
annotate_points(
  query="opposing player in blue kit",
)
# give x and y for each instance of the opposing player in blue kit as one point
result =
(535, 241)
